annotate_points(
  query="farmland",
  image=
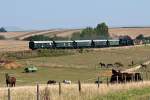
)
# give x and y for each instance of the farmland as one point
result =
(77, 66)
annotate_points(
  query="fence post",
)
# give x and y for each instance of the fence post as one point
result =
(59, 88)
(117, 79)
(146, 75)
(107, 82)
(125, 79)
(38, 92)
(132, 78)
(79, 83)
(98, 81)
(9, 95)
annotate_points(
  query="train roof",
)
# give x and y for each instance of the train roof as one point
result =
(42, 41)
(63, 41)
(82, 40)
(114, 40)
(99, 40)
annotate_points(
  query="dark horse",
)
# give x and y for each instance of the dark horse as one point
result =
(10, 81)
(51, 82)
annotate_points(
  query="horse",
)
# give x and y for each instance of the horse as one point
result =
(109, 65)
(144, 66)
(124, 76)
(10, 81)
(51, 82)
(67, 81)
(118, 64)
(102, 64)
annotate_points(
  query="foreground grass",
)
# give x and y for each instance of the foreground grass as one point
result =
(131, 94)
(129, 91)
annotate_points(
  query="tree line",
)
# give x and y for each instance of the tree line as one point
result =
(98, 32)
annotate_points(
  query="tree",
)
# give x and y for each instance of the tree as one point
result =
(102, 29)
(2, 29)
(75, 36)
(140, 37)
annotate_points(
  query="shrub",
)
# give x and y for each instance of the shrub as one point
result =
(2, 37)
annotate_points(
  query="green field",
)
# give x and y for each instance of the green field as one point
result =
(77, 66)
(131, 94)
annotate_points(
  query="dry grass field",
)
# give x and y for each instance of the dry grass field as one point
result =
(11, 35)
(133, 32)
(129, 91)
(114, 32)
(13, 45)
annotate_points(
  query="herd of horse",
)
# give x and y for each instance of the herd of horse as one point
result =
(117, 76)
(116, 64)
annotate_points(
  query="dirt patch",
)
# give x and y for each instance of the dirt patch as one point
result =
(9, 64)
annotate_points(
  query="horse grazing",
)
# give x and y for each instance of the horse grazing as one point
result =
(51, 82)
(118, 64)
(109, 65)
(124, 77)
(144, 66)
(67, 81)
(102, 64)
(10, 81)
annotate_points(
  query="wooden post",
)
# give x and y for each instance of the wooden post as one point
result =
(137, 77)
(117, 79)
(9, 95)
(38, 92)
(98, 81)
(79, 83)
(59, 88)
(125, 79)
(107, 82)
(132, 78)
(146, 75)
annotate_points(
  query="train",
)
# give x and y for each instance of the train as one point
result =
(77, 44)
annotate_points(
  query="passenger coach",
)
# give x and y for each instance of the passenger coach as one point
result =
(79, 44)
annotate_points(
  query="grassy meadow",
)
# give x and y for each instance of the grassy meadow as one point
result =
(76, 66)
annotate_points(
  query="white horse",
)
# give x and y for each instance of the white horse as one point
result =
(67, 81)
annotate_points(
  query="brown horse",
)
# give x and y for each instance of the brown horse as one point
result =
(10, 81)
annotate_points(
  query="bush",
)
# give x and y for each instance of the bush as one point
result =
(2, 37)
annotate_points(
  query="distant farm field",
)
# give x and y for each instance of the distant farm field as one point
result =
(133, 32)
(11, 35)
(13, 45)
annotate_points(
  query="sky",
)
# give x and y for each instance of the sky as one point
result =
(44, 14)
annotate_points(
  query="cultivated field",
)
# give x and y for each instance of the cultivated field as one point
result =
(114, 32)
(133, 32)
(13, 45)
(12, 35)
